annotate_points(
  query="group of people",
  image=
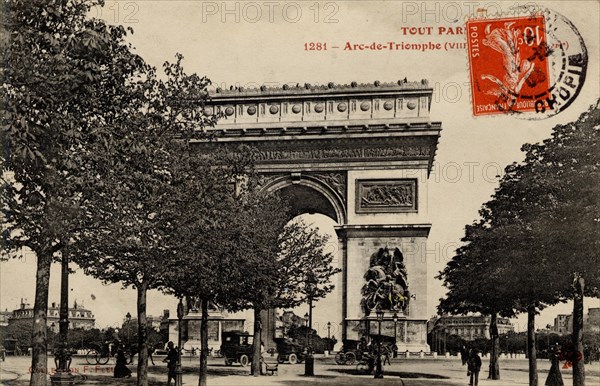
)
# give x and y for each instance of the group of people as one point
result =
(122, 371)
(473, 361)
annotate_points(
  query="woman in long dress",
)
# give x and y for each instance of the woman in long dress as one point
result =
(554, 376)
(121, 369)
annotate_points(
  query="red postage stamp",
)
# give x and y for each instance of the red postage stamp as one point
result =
(508, 62)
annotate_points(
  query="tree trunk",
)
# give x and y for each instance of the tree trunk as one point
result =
(494, 372)
(142, 367)
(203, 344)
(531, 351)
(577, 337)
(39, 356)
(256, 344)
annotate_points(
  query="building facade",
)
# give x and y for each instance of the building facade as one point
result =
(79, 317)
(592, 321)
(468, 328)
(563, 324)
(218, 323)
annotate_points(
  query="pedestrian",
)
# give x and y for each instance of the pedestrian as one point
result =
(554, 375)
(464, 355)
(150, 352)
(473, 367)
(121, 369)
(171, 360)
(261, 363)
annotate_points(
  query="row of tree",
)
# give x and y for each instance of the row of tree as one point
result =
(99, 166)
(538, 240)
(511, 342)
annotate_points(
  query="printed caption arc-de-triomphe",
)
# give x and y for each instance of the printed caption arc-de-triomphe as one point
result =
(360, 154)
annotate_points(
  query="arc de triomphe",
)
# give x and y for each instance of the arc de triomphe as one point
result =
(360, 154)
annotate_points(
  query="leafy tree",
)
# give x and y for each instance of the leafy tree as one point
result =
(299, 272)
(80, 338)
(541, 227)
(475, 282)
(134, 184)
(21, 331)
(225, 228)
(514, 203)
(63, 75)
(565, 168)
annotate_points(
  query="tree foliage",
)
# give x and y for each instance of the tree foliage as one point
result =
(537, 234)
(134, 182)
(64, 74)
(304, 267)
(225, 228)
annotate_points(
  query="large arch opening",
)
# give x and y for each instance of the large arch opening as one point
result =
(328, 309)
(314, 203)
(306, 200)
(309, 195)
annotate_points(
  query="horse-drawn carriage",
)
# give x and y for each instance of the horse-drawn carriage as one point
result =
(363, 353)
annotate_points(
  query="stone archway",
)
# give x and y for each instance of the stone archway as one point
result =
(360, 154)
(311, 192)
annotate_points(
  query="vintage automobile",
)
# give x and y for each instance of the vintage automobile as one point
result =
(236, 346)
(354, 350)
(289, 351)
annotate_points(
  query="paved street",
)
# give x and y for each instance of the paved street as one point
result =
(409, 372)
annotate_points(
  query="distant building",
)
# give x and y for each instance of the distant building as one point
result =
(468, 327)
(153, 322)
(218, 322)
(563, 324)
(592, 322)
(79, 317)
(4, 316)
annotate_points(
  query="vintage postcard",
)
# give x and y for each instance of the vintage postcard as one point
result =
(387, 125)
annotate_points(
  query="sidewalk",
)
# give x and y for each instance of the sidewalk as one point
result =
(408, 372)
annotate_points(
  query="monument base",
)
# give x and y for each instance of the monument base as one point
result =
(62, 378)
(410, 334)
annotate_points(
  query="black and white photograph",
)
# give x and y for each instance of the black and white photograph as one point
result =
(291, 193)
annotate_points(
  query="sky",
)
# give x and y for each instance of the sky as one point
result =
(254, 43)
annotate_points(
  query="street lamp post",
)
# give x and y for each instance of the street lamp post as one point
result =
(328, 336)
(379, 367)
(53, 340)
(309, 364)
(128, 319)
(178, 371)
(395, 319)
(62, 357)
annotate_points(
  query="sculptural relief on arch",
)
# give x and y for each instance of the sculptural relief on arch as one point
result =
(360, 154)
